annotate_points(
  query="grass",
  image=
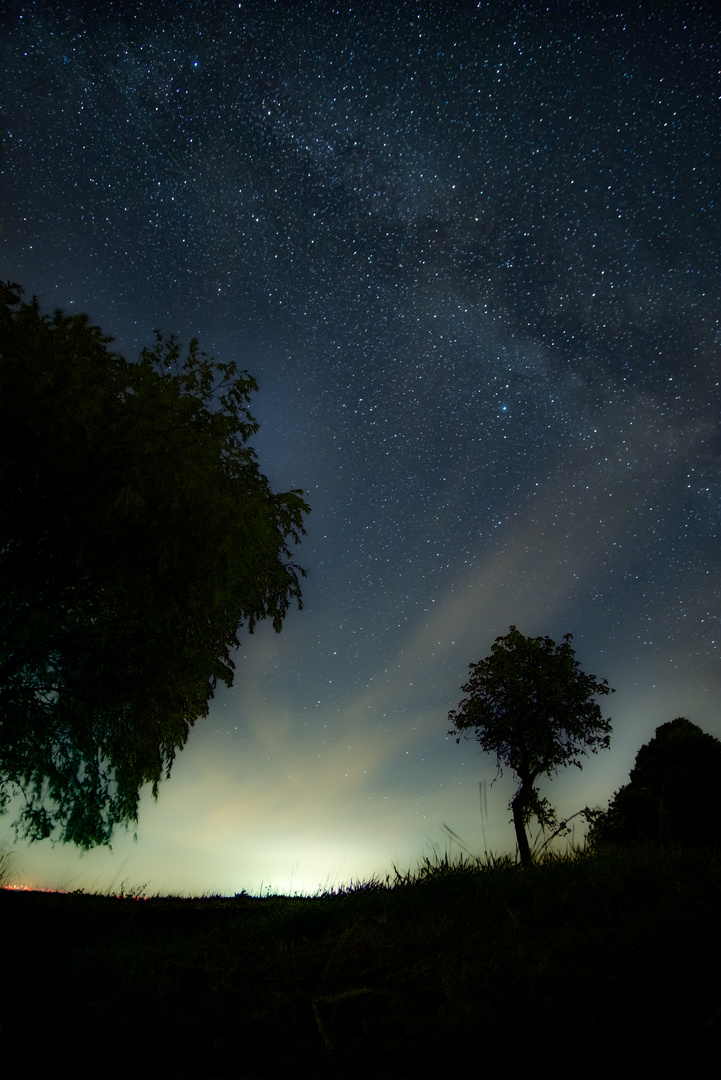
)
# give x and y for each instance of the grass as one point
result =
(582, 966)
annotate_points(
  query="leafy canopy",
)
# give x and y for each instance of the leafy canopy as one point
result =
(137, 536)
(531, 706)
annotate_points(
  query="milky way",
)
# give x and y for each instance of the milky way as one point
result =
(470, 251)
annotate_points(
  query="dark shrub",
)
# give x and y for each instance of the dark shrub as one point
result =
(673, 793)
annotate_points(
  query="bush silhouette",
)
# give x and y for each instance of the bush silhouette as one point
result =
(672, 794)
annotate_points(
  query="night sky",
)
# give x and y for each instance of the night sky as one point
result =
(470, 251)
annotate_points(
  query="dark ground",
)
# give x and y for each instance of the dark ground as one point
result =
(586, 969)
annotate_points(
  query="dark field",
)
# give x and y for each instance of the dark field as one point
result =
(582, 967)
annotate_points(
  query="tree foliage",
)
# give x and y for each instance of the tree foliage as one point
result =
(672, 794)
(530, 705)
(137, 535)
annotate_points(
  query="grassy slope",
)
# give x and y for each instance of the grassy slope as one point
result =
(583, 967)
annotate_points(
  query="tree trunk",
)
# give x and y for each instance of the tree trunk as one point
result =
(524, 848)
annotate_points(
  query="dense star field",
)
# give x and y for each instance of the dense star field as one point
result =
(470, 252)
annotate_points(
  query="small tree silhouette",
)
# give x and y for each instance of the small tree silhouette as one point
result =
(531, 706)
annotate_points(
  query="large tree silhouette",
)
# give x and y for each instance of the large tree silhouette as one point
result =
(531, 706)
(137, 535)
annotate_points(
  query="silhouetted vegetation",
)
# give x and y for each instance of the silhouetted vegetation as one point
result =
(461, 968)
(137, 535)
(531, 706)
(673, 793)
